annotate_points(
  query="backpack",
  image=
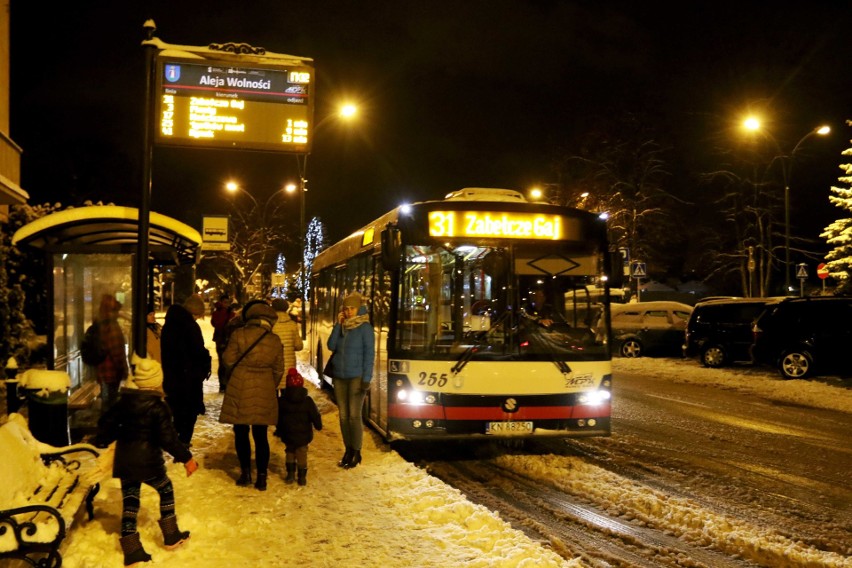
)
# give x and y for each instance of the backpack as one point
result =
(91, 350)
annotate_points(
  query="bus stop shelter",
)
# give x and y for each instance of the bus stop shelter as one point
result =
(90, 252)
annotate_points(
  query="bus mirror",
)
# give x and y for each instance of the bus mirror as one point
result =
(391, 247)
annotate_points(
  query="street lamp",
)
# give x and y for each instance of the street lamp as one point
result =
(346, 112)
(753, 124)
(260, 213)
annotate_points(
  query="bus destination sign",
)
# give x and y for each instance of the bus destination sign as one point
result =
(222, 105)
(496, 224)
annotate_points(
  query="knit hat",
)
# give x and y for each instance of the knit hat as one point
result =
(194, 305)
(147, 374)
(261, 310)
(294, 379)
(280, 305)
(353, 300)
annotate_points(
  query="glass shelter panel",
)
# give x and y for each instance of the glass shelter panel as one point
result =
(80, 281)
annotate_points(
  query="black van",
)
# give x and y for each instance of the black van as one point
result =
(804, 336)
(719, 332)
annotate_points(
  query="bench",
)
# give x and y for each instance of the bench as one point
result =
(42, 489)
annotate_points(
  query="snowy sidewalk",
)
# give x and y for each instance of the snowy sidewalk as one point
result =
(385, 512)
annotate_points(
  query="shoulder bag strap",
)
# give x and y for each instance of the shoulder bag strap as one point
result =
(246, 352)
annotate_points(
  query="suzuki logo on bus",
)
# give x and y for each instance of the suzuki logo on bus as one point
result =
(510, 405)
(584, 380)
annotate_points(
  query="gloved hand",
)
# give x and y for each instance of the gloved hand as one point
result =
(190, 466)
(365, 386)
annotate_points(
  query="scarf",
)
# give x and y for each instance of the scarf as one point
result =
(354, 322)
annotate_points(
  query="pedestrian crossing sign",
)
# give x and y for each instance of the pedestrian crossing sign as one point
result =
(802, 271)
(639, 270)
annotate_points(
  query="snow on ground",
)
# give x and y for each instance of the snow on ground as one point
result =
(831, 392)
(385, 512)
(388, 512)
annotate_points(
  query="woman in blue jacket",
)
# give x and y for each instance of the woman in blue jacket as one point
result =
(353, 346)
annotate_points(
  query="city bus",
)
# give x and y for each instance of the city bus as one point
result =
(460, 352)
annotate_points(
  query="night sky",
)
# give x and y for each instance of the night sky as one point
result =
(451, 94)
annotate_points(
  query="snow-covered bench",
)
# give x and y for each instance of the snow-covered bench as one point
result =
(42, 488)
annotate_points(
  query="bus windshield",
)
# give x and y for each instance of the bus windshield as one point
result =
(513, 302)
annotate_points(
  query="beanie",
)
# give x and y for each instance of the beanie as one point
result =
(280, 305)
(147, 374)
(261, 310)
(353, 300)
(194, 305)
(294, 379)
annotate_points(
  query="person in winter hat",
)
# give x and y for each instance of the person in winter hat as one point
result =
(297, 416)
(288, 332)
(140, 423)
(256, 361)
(352, 344)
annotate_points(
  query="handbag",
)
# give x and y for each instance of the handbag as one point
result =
(327, 370)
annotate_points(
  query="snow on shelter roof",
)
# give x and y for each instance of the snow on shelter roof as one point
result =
(110, 228)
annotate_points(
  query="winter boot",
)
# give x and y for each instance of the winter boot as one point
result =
(354, 460)
(172, 535)
(303, 476)
(291, 473)
(134, 554)
(260, 484)
(344, 461)
(245, 478)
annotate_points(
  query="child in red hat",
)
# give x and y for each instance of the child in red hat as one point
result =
(297, 416)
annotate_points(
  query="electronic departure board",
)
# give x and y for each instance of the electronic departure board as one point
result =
(220, 104)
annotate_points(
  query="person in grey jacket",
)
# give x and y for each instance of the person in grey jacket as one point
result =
(256, 361)
(353, 349)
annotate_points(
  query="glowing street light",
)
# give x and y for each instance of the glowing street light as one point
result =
(345, 112)
(753, 124)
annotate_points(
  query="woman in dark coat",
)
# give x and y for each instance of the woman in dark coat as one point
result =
(186, 364)
(141, 425)
(256, 360)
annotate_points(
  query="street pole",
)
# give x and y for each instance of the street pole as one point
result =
(303, 166)
(140, 288)
(786, 238)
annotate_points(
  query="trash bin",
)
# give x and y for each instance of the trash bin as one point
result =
(46, 393)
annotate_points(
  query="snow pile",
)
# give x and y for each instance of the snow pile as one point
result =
(682, 518)
(759, 381)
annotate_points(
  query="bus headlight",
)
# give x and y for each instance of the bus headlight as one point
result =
(410, 396)
(415, 397)
(594, 398)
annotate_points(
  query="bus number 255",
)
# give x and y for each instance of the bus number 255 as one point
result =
(433, 379)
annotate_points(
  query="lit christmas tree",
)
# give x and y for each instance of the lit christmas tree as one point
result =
(315, 241)
(839, 233)
(280, 268)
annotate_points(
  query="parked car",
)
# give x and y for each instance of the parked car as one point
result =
(805, 336)
(719, 332)
(649, 328)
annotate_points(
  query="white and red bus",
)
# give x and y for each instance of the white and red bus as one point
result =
(459, 351)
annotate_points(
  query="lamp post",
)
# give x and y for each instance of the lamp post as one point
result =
(261, 212)
(346, 112)
(752, 123)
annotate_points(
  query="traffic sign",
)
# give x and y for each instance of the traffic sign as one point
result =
(802, 271)
(639, 270)
(822, 270)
